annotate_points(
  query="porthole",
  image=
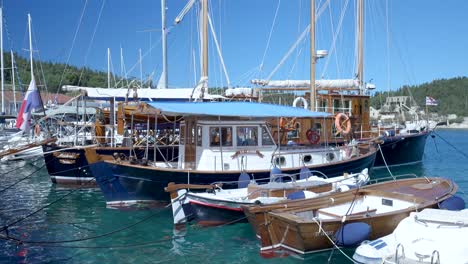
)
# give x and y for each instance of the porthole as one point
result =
(330, 156)
(280, 161)
(307, 158)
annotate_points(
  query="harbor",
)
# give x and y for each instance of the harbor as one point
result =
(310, 157)
(109, 235)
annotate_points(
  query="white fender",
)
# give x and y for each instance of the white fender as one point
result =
(304, 102)
(177, 210)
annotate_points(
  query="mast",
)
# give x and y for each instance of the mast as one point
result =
(1, 60)
(30, 46)
(164, 45)
(32, 73)
(141, 68)
(204, 17)
(13, 80)
(313, 58)
(360, 43)
(108, 68)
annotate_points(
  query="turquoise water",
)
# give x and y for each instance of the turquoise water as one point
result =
(82, 214)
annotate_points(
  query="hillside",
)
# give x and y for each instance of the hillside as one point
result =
(52, 73)
(452, 95)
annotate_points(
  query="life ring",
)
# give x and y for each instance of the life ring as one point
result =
(37, 130)
(304, 102)
(339, 124)
(312, 136)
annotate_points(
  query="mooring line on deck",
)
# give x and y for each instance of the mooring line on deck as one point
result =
(450, 144)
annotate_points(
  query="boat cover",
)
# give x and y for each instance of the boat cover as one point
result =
(234, 109)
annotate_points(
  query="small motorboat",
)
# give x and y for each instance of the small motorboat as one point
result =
(218, 206)
(429, 236)
(345, 219)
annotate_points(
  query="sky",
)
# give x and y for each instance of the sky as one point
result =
(406, 42)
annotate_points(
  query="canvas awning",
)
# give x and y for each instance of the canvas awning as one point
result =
(234, 109)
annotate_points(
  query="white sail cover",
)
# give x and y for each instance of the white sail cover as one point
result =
(148, 94)
(333, 84)
(240, 91)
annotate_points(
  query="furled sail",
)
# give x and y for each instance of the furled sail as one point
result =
(330, 84)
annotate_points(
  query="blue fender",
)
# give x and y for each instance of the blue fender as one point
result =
(296, 195)
(352, 234)
(454, 203)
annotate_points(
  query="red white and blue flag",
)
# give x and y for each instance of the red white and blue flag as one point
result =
(430, 101)
(31, 100)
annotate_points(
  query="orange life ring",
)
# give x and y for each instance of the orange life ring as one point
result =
(312, 136)
(339, 124)
(283, 122)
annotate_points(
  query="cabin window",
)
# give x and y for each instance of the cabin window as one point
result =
(182, 135)
(322, 105)
(295, 130)
(266, 137)
(334, 132)
(225, 137)
(199, 136)
(366, 105)
(342, 106)
(247, 136)
(318, 128)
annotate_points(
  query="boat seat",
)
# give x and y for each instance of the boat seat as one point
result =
(360, 213)
(443, 216)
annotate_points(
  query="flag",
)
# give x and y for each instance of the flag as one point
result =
(431, 101)
(31, 100)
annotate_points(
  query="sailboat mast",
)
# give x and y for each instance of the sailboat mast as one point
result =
(312, 55)
(164, 44)
(108, 69)
(360, 43)
(205, 38)
(13, 80)
(1, 60)
(141, 68)
(30, 46)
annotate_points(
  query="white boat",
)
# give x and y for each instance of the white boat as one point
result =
(219, 206)
(429, 236)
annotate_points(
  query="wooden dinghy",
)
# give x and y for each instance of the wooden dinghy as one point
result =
(347, 218)
(218, 206)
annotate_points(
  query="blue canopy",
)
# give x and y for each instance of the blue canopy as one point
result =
(234, 109)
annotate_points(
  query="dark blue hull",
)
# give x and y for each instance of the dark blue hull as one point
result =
(125, 183)
(67, 165)
(402, 150)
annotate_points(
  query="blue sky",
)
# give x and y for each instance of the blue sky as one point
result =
(427, 39)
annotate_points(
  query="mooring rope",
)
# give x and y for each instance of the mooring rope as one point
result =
(22, 179)
(450, 144)
(85, 238)
(5, 227)
(331, 240)
(385, 162)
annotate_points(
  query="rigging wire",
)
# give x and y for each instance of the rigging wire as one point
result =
(73, 43)
(269, 36)
(91, 42)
